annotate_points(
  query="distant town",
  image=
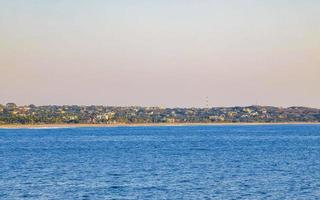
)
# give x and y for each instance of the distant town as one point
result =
(74, 114)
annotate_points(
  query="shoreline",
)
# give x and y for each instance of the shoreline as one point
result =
(21, 126)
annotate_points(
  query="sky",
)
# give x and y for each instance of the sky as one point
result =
(168, 53)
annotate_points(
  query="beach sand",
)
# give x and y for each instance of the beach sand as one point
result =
(142, 124)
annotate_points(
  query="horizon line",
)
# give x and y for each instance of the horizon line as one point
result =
(165, 107)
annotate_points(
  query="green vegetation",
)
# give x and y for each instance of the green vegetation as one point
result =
(31, 114)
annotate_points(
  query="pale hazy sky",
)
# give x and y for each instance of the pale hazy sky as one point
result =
(160, 52)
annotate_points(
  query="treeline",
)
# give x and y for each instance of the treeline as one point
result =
(53, 114)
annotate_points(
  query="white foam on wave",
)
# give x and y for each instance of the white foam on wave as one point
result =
(45, 127)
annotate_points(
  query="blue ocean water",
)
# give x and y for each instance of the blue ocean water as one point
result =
(188, 162)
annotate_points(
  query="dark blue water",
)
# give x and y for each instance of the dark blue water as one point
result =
(197, 162)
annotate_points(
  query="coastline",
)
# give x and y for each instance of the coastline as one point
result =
(22, 126)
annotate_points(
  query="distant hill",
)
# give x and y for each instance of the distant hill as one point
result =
(73, 114)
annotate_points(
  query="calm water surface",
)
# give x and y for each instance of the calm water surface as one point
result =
(196, 162)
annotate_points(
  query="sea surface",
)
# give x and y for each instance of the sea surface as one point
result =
(187, 162)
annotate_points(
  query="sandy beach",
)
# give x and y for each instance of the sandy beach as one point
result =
(15, 126)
